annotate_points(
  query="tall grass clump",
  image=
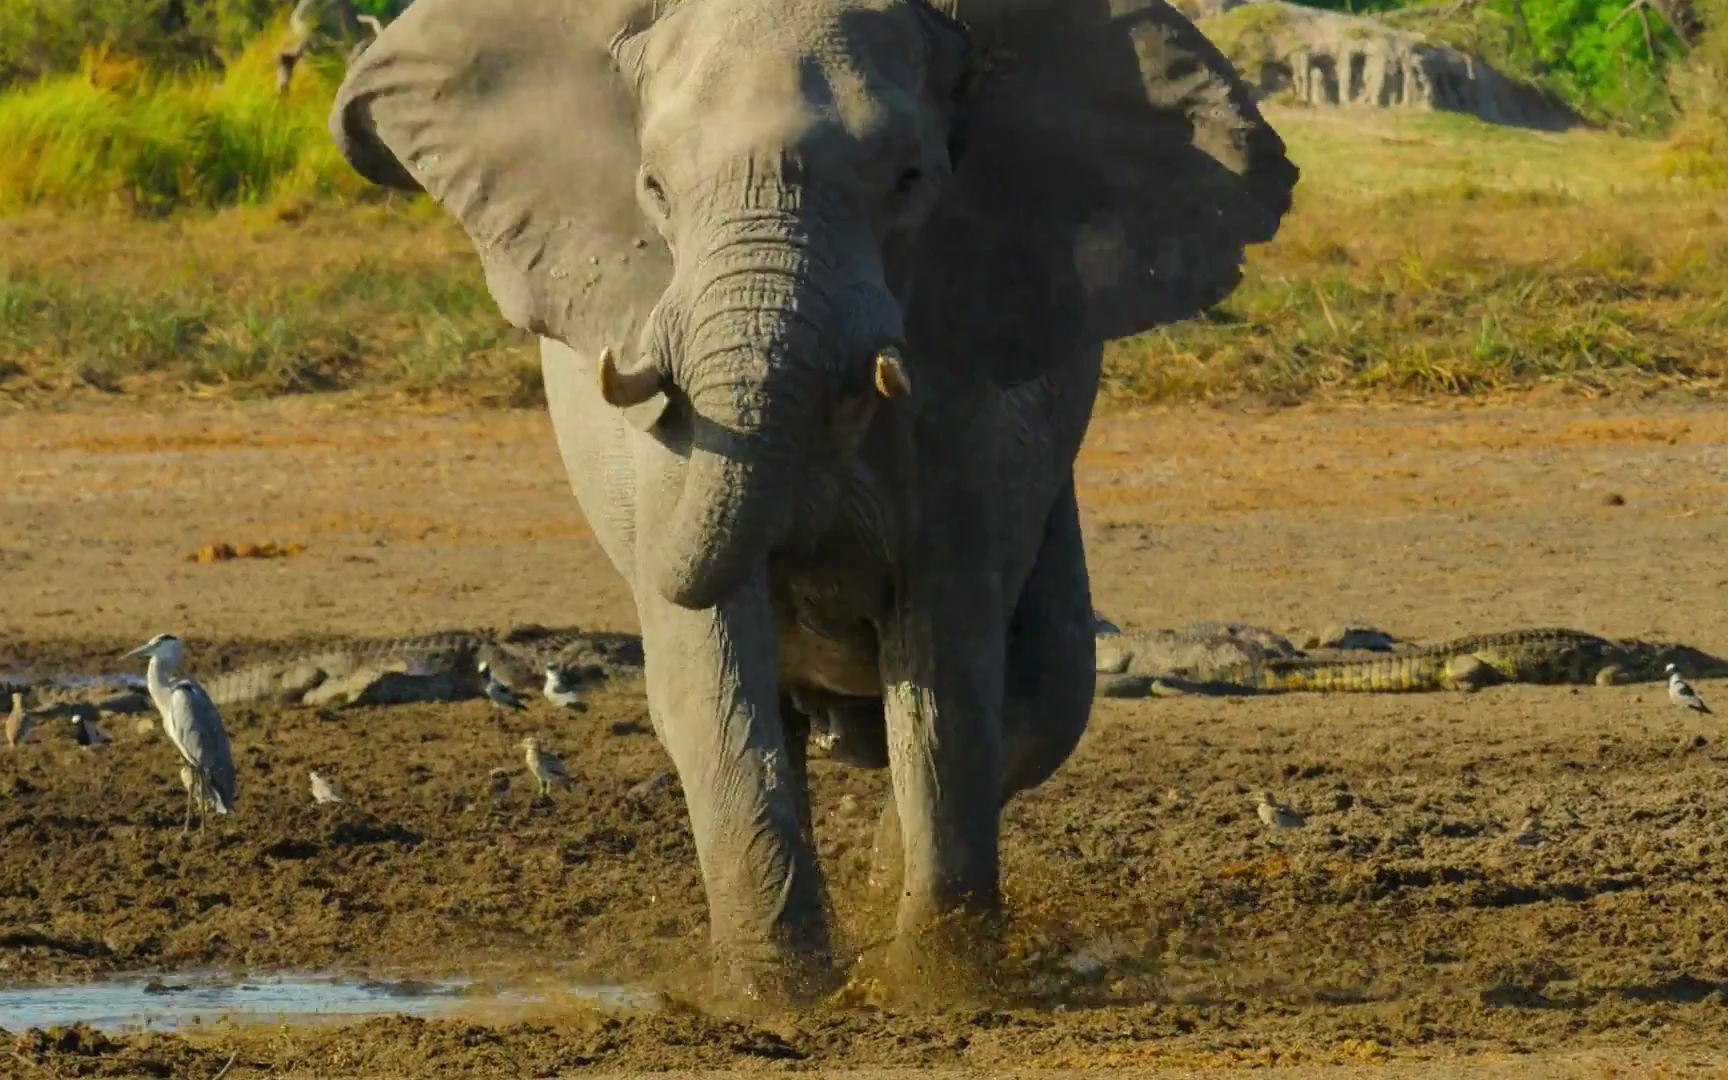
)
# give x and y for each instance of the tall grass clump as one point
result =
(1699, 147)
(115, 131)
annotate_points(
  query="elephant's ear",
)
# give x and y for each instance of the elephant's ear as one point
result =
(1110, 170)
(511, 114)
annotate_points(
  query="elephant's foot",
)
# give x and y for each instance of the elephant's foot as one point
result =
(748, 982)
(948, 960)
(887, 861)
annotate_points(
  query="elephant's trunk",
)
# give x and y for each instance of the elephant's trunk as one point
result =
(754, 368)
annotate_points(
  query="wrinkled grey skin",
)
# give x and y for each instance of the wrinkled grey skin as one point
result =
(746, 201)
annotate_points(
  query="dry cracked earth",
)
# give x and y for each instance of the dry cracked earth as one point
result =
(1157, 925)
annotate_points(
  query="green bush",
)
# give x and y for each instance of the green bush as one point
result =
(1609, 66)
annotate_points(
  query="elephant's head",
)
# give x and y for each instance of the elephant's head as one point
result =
(745, 209)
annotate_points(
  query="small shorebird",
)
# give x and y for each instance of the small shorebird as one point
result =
(17, 722)
(501, 696)
(86, 731)
(1276, 814)
(192, 724)
(1529, 834)
(547, 769)
(1680, 692)
(559, 691)
(322, 790)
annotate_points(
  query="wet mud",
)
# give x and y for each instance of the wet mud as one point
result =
(1156, 923)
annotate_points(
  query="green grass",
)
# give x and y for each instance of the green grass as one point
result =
(115, 134)
(1428, 256)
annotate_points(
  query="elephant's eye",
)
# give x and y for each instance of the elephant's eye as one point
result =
(655, 193)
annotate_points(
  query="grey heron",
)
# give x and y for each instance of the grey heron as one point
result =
(17, 722)
(1276, 814)
(547, 769)
(323, 791)
(192, 724)
(314, 22)
(194, 790)
(559, 691)
(1680, 692)
(501, 696)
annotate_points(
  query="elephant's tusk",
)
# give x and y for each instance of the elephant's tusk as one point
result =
(891, 378)
(622, 389)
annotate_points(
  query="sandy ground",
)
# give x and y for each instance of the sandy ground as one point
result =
(1157, 926)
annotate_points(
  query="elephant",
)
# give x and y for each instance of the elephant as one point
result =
(822, 289)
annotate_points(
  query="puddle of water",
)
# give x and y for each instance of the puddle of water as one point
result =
(169, 1001)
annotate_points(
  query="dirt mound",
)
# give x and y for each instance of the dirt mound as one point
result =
(1331, 58)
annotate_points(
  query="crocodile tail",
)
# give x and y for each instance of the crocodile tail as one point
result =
(256, 683)
(1387, 674)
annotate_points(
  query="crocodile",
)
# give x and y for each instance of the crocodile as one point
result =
(438, 666)
(1552, 656)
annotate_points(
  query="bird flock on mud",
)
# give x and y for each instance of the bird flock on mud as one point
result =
(194, 726)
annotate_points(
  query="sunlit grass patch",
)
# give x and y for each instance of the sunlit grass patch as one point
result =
(114, 134)
(1426, 256)
(226, 308)
(1547, 260)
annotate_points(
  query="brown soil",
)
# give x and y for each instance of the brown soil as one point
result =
(1157, 924)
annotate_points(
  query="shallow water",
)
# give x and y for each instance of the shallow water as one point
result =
(165, 1002)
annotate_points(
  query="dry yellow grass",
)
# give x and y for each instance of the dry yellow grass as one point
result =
(1428, 255)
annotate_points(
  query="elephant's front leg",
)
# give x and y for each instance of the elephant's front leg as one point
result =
(713, 698)
(942, 656)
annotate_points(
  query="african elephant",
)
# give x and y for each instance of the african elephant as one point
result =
(822, 288)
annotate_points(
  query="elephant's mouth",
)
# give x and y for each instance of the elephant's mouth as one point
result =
(748, 459)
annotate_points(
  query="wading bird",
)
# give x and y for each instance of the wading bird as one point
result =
(547, 770)
(1529, 834)
(84, 729)
(323, 791)
(1276, 814)
(192, 724)
(502, 696)
(194, 790)
(1680, 692)
(559, 691)
(17, 722)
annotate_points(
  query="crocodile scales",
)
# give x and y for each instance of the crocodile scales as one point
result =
(1551, 656)
(438, 666)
